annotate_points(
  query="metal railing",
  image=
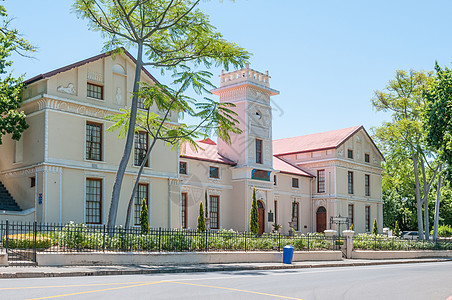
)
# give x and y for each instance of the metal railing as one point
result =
(94, 238)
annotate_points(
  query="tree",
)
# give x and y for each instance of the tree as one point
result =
(405, 138)
(12, 121)
(254, 215)
(166, 34)
(438, 123)
(144, 218)
(213, 116)
(396, 229)
(375, 227)
(201, 221)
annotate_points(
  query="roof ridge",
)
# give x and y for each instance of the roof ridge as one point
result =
(292, 137)
(293, 165)
(85, 61)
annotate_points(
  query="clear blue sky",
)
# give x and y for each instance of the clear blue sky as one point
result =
(325, 57)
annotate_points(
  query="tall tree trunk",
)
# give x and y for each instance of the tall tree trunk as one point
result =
(438, 198)
(129, 142)
(418, 196)
(135, 186)
(426, 187)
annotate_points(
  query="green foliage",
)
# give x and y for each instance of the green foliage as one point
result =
(396, 229)
(403, 143)
(379, 242)
(445, 231)
(254, 215)
(201, 221)
(276, 227)
(12, 121)
(144, 217)
(438, 122)
(375, 227)
(173, 36)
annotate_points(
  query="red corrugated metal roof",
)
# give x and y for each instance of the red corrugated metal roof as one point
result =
(312, 142)
(285, 167)
(208, 152)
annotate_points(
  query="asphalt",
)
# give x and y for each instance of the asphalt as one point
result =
(66, 271)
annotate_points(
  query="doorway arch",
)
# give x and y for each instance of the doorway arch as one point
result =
(261, 210)
(321, 219)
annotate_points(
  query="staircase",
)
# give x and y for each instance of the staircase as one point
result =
(6, 200)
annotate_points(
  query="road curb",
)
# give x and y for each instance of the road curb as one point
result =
(223, 268)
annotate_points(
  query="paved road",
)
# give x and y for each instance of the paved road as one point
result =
(409, 281)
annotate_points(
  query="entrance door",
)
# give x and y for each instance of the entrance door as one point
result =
(261, 210)
(321, 219)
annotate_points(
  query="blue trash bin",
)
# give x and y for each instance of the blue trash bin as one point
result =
(287, 254)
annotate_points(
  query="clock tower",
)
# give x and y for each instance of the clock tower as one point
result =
(250, 92)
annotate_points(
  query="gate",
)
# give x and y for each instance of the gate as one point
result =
(19, 241)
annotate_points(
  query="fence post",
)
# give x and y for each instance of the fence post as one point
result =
(279, 241)
(103, 239)
(7, 235)
(245, 240)
(206, 242)
(308, 242)
(160, 236)
(35, 233)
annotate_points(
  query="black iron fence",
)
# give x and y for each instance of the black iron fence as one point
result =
(91, 238)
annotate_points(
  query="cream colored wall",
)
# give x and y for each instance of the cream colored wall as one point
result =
(285, 194)
(236, 151)
(197, 181)
(67, 116)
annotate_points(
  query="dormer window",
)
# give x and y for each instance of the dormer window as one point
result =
(95, 91)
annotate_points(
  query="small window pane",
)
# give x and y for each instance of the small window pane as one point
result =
(295, 183)
(141, 148)
(95, 91)
(93, 141)
(214, 212)
(350, 153)
(214, 172)
(321, 181)
(142, 193)
(93, 203)
(182, 167)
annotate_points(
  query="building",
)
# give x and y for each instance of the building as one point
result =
(63, 168)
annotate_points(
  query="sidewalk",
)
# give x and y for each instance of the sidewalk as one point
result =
(33, 272)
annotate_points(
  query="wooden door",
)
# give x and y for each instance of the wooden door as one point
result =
(261, 210)
(321, 219)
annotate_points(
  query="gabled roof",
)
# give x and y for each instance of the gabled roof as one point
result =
(286, 167)
(208, 152)
(317, 141)
(83, 62)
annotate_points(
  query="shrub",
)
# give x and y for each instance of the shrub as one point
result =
(201, 221)
(25, 241)
(396, 229)
(254, 215)
(375, 227)
(144, 219)
(444, 231)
